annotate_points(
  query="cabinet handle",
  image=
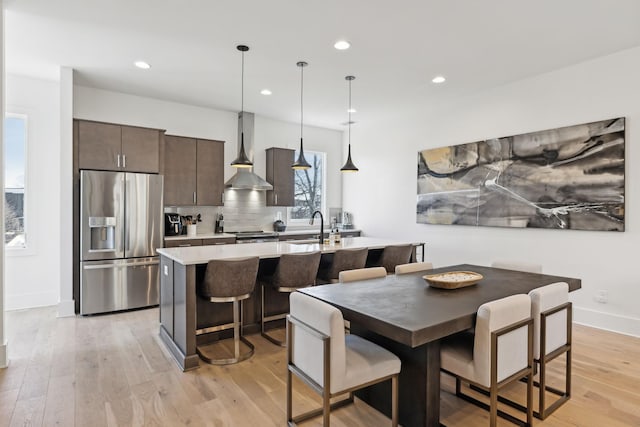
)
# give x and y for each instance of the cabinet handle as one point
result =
(185, 245)
(194, 197)
(124, 160)
(276, 194)
(118, 160)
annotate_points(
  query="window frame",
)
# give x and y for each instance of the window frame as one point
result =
(27, 249)
(323, 199)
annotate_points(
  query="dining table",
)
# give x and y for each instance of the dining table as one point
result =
(407, 316)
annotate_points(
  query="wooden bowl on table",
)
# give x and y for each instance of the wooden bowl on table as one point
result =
(453, 279)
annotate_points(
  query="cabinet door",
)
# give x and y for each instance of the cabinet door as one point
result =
(98, 146)
(140, 149)
(210, 173)
(179, 171)
(281, 176)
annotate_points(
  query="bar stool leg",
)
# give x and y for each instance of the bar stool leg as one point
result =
(236, 330)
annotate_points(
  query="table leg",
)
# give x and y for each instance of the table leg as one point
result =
(419, 382)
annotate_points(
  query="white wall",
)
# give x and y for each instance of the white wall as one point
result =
(33, 274)
(600, 89)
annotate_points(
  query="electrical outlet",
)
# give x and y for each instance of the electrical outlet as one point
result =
(602, 296)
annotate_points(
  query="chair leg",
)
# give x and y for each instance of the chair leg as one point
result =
(289, 397)
(530, 398)
(493, 406)
(542, 387)
(326, 408)
(394, 401)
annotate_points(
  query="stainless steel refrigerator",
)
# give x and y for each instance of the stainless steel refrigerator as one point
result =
(120, 229)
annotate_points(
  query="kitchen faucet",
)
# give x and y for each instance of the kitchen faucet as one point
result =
(313, 215)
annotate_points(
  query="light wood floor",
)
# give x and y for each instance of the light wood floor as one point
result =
(111, 371)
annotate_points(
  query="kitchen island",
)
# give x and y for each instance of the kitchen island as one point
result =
(182, 267)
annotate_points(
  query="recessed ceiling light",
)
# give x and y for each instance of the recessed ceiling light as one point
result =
(438, 79)
(143, 65)
(352, 110)
(342, 45)
(265, 92)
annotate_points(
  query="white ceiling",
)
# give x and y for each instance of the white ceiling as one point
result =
(397, 48)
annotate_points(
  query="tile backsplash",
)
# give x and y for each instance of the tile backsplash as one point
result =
(243, 210)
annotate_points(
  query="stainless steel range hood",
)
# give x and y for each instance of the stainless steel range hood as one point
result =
(245, 179)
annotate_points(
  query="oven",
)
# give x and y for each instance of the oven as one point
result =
(254, 236)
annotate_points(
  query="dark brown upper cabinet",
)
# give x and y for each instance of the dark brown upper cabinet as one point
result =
(106, 146)
(193, 171)
(281, 176)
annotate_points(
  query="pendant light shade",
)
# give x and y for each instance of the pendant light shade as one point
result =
(301, 163)
(242, 161)
(349, 166)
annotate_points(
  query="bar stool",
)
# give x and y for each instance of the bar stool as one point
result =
(294, 271)
(395, 255)
(344, 259)
(229, 281)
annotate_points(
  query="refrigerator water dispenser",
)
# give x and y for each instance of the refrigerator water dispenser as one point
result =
(102, 233)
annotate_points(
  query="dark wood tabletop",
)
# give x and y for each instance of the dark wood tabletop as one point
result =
(406, 309)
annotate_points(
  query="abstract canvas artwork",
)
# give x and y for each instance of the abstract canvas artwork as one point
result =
(566, 178)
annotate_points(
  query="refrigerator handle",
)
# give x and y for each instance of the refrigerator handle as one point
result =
(134, 263)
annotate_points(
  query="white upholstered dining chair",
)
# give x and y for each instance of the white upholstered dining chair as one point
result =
(527, 267)
(552, 317)
(361, 274)
(332, 364)
(413, 267)
(498, 353)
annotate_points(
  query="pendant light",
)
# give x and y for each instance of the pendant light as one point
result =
(349, 166)
(301, 163)
(242, 161)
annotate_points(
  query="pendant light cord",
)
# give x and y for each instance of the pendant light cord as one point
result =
(242, 97)
(301, 104)
(349, 121)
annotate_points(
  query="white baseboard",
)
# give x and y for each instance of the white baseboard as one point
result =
(611, 322)
(32, 300)
(67, 308)
(4, 360)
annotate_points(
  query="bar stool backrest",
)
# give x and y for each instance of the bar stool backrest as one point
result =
(395, 255)
(230, 278)
(297, 270)
(347, 259)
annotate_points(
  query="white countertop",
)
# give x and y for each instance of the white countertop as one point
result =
(203, 254)
(229, 235)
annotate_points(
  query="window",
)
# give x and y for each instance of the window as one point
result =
(309, 188)
(15, 143)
